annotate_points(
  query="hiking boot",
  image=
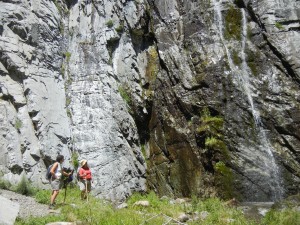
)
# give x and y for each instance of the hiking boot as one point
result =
(51, 206)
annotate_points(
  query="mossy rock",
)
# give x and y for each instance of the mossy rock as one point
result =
(233, 24)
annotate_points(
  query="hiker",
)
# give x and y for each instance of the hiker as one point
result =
(85, 177)
(56, 178)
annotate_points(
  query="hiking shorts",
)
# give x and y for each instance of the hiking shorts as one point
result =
(82, 185)
(56, 184)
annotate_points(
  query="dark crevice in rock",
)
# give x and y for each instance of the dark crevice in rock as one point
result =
(142, 38)
(7, 98)
(47, 160)
(294, 29)
(284, 62)
(16, 169)
(164, 67)
(254, 17)
(112, 45)
(64, 140)
(288, 22)
(142, 121)
(287, 145)
(18, 29)
(290, 169)
(183, 108)
(71, 3)
(11, 99)
(156, 11)
(97, 9)
(1, 29)
(275, 51)
(239, 3)
(12, 69)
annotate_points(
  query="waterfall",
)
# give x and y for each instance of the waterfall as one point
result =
(263, 158)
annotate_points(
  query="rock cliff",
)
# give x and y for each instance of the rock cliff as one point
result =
(182, 97)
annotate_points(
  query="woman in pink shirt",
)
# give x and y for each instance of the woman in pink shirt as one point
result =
(85, 177)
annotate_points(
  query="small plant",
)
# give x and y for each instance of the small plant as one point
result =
(279, 25)
(235, 57)
(75, 160)
(18, 124)
(24, 187)
(120, 28)
(233, 24)
(63, 69)
(4, 184)
(125, 95)
(69, 113)
(110, 24)
(68, 101)
(68, 56)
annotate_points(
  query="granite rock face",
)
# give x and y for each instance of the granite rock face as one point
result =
(182, 97)
(34, 122)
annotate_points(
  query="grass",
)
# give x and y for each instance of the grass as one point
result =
(159, 211)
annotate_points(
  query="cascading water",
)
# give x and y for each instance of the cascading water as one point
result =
(261, 157)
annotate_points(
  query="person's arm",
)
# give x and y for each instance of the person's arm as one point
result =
(53, 169)
(66, 174)
(82, 173)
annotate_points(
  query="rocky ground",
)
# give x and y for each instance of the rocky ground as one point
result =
(28, 205)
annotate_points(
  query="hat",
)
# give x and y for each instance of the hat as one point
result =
(83, 162)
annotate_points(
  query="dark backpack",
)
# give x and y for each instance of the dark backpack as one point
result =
(48, 174)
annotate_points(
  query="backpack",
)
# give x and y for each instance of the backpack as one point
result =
(48, 174)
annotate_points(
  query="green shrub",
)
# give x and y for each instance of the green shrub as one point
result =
(120, 28)
(125, 94)
(75, 160)
(233, 24)
(4, 184)
(278, 25)
(18, 124)
(235, 57)
(68, 56)
(24, 187)
(110, 24)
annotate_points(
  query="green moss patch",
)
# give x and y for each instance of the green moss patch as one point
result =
(233, 24)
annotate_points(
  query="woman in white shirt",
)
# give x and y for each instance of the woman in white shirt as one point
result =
(56, 178)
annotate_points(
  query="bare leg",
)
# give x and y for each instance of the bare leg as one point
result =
(53, 196)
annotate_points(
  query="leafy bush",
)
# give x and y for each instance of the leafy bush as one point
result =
(4, 184)
(75, 160)
(110, 24)
(24, 187)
